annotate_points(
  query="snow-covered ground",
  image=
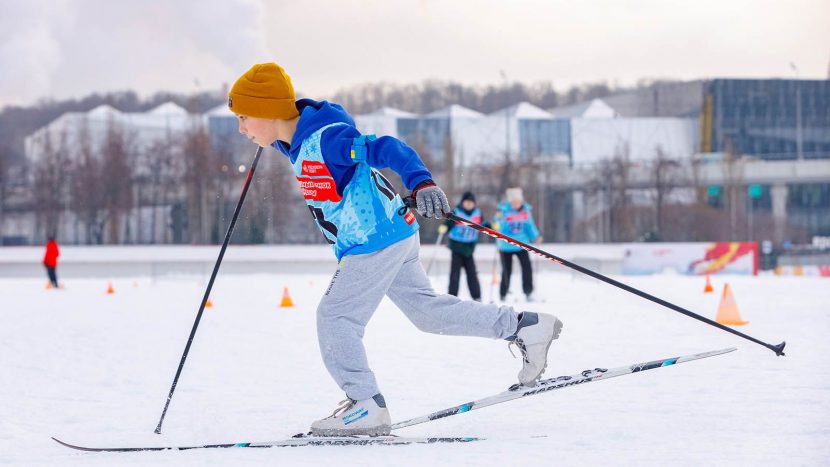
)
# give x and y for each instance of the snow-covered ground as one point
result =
(95, 369)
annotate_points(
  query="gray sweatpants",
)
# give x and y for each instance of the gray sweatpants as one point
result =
(357, 288)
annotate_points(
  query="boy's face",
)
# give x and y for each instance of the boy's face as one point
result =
(262, 131)
(468, 204)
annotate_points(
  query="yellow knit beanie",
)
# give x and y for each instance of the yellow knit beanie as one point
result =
(264, 91)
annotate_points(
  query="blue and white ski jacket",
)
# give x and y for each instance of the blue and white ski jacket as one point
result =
(355, 207)
(462, 233)
(515, 223)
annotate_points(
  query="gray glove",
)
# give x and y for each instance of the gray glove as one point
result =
(431, 201)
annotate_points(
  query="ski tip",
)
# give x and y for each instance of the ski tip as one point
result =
(719, 352)
(61, 442)
(778, 349)
(68, 445)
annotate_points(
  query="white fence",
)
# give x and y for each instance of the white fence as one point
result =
(161, 261)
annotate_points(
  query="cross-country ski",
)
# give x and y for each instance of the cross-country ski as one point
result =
(290, 442)
(518, 391)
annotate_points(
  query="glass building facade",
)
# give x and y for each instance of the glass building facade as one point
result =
(430, 134)
(544, 138)
(767, 118)
(222, 129)
(537, 137)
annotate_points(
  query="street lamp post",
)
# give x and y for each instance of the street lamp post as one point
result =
(798, 139)
(506, 119)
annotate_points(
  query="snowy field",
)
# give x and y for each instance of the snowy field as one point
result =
(94, 369)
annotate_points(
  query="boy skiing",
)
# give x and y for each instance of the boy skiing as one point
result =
(374, 237)
(515, 219)
(462, 243)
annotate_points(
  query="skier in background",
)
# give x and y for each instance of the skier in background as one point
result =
(50, 261)
(515, 219)
(374, 237)
(462, 244)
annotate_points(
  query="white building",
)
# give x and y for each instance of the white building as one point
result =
(572, 137)
(382, 122)
(638, 139)
(144, 132)
(599, 132)
(140, 129)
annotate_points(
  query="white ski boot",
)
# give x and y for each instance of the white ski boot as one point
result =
(535, 333)
(367, 417)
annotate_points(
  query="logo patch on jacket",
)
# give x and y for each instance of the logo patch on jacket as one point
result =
(520, 216)
(316, 182)
(315, 169)
(319, 189)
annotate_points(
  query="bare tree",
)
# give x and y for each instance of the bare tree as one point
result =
(116, 185)
(163, 166)
(621, 220)
(201, 172)
(50, 183)
(432, 95)
(102, 183)
(664, 176)
(275, 211)
(449, 164)
(88, 199)
(5, 163)
(608, 193)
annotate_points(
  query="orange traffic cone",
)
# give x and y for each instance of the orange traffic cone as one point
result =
(708, 288)
(110, 290)
(209, 304)
(286, 299)
(728, 309)
(48, 285)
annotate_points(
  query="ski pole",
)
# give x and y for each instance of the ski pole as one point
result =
(209, 286)
(493, 271)
(778, 349)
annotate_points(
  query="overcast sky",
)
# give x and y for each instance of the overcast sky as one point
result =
(71, 48)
